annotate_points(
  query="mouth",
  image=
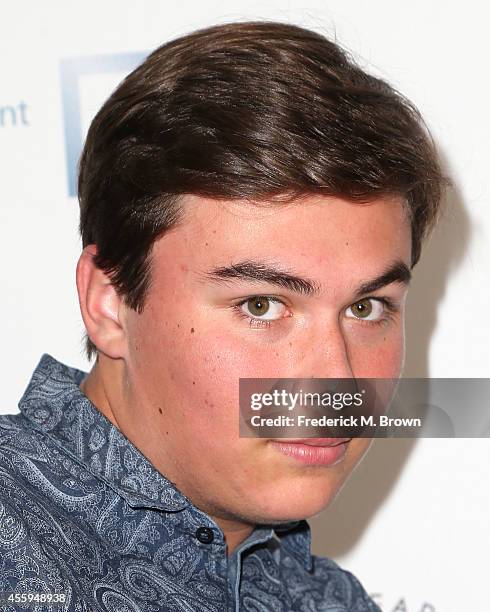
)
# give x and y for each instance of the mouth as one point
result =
(313, 451)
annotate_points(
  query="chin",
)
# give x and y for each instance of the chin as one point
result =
(300, 502)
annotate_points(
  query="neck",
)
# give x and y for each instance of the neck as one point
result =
(98, 386)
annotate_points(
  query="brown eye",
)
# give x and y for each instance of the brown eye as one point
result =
(263, 308)
(370, 309)
(258, 306)
(362, 309)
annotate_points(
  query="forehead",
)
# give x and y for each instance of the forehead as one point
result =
(316, 234)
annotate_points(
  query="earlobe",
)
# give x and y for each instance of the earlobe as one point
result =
(100, 306)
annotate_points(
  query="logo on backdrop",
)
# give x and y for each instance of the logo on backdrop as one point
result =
(14, 115)
(85, 80)
(401, 604)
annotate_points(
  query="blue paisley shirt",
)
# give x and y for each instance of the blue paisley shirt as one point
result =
(84, 514)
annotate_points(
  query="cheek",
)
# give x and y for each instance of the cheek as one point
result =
(184, 363)
(206, 368)
(379, 357)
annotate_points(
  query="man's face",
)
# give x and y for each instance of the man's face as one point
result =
(201, 330)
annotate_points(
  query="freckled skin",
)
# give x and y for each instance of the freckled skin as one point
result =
(194, 376)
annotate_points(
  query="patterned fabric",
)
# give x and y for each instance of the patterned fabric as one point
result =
(85, 514)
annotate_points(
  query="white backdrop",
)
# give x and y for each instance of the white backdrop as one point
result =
(412, 522)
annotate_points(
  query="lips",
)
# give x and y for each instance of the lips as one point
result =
(312, 451)
(317, 441)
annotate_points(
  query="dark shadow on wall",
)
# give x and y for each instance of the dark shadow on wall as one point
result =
(443, 252)
(336, 530)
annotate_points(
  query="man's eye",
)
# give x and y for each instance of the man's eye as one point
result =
(369, 309)
(264, 308)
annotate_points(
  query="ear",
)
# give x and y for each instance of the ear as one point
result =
(100, 305)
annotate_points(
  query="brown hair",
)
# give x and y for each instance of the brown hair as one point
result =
(256, 110)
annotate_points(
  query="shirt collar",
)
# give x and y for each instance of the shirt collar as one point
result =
(296, 538)
(54, 404)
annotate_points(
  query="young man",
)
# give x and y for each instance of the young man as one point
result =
(252, 204)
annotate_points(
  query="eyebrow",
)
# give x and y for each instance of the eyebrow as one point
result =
(398, 272)
(271, 273)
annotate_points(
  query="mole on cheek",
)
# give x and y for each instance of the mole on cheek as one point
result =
(160, 411)
(192, 330)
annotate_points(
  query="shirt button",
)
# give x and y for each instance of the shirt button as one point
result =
(205, 535)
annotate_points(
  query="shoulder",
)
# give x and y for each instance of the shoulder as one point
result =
(25, 564)
(15, 435)
(30, 534)
(319, 581)
(22, 511)
(340, 586)
(9, 423)
(21, 450)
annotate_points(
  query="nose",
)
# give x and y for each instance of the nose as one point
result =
(324, 358)
(327, 356)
